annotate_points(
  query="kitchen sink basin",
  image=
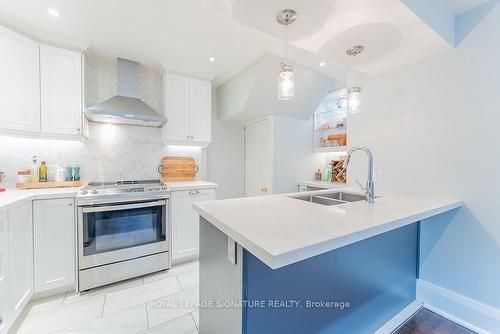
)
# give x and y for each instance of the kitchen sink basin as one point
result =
(333, 198)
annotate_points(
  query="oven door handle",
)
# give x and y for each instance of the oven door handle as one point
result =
(123, 207)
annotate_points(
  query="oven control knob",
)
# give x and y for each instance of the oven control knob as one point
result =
(164, 188)
(149, 188)
(84, 191)
(94, 191)
(157, 188)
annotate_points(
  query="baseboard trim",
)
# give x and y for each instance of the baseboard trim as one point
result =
(465, 311)
(399, 319)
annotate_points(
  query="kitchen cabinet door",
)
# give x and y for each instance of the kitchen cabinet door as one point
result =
(177, 108)
(61, 91)
(200, 111)
(20, 256)
(19, 83)
(54, 243)
(185, 222)
(4, 266)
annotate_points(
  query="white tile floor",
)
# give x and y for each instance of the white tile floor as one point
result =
(148, 304)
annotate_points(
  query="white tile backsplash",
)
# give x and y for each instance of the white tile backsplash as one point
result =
(112, 152)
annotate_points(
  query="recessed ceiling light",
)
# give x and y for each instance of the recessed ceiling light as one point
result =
(322, 64)
(53, 12)
(212, 59)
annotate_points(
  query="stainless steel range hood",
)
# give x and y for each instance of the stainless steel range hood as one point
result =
(126, 107)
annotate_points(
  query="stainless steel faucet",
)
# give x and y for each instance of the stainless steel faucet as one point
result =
(370, 191)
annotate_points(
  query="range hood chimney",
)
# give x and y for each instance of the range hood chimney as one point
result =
(126, 107)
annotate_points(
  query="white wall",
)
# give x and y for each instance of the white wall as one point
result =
(294, 160)
(434, 128)
(225, 156)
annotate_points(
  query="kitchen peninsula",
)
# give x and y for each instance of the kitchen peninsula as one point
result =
(297, 265)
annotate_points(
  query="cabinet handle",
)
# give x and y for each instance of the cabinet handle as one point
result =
(77, 129)
(70, 204)
(194, 192)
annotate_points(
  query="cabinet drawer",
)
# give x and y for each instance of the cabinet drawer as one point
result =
(200, 192)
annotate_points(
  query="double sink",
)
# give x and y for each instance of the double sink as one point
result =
(331, 198)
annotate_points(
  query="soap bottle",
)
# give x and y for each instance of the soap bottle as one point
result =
(43, 172)
(34, 170)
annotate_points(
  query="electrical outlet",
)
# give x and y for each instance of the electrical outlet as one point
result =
(377, 175)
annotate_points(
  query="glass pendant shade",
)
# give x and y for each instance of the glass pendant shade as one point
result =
(286, 89)
(354, 100)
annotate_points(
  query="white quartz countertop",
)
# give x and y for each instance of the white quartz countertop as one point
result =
(13, 196)
(280, 230)
(189, 185)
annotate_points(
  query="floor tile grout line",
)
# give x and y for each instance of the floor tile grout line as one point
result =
(179, 282)
(147, 314)
(90, 320)
(103, 305)
(194, 320)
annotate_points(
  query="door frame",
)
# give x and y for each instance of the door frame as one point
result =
(271, 120)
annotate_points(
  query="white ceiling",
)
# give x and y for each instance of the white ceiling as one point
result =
(180, 35)
(461, 6)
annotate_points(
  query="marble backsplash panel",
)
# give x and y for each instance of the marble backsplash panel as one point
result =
(113, 152)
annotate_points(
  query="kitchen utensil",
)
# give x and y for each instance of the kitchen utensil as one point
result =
(178, 169)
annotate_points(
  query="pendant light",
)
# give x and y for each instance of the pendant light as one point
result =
(286, 89)
(354, 93)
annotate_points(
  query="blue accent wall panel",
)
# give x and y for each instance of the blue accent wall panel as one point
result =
(377, 277)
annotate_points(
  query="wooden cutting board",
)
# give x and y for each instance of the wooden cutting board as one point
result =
(177, 169)
(52, 184)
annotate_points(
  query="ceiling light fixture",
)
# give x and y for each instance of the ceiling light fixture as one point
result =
(354, 93)
(355, 50)
(212, 59)
(53, 12)
(322, 64)
(286, 90)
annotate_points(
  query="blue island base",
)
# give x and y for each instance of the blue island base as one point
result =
(354, 289)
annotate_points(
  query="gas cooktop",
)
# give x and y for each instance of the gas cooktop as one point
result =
(123, 188)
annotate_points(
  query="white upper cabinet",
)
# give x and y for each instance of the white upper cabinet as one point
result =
(61, 91)
(177, 107)
(19, 83)
(54, 244)
(200, 110)
(188, 107)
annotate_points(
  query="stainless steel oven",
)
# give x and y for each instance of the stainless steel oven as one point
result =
(121, 237)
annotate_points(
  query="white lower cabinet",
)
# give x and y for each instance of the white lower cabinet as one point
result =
(4, 266)
(54, 244)
(20, 258)
(185, 222)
